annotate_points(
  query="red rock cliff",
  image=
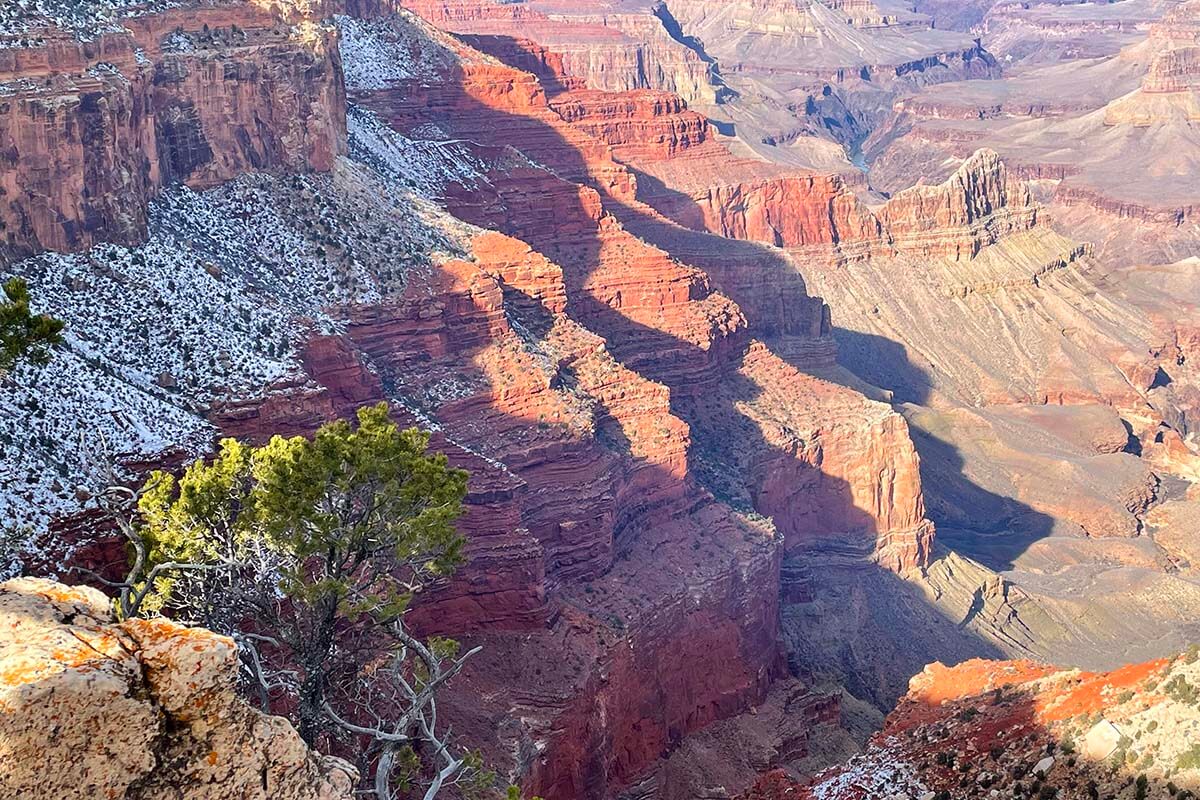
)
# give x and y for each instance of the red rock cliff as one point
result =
(91, 130)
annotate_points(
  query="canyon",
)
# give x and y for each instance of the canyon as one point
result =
(786, 347)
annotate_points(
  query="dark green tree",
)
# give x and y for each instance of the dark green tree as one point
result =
(24, 335)
(308, 552)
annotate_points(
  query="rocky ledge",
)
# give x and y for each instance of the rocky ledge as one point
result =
(1020, 729)
(140, 710)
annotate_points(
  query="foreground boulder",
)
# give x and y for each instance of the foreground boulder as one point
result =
(141, 710)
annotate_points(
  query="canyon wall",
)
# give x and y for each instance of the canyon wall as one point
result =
(90, 131)
(612, 50)
(467, 244)
(659, 316)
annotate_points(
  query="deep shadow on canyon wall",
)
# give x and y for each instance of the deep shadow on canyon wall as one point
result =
(870, 628)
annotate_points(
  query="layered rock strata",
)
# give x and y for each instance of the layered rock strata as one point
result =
(673, 328)
(92, 130)
(1127, 186)
(557, 356)
(622, 358)
(605, 48)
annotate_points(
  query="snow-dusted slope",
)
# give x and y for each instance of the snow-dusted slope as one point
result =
(84, 18)
(211, 307)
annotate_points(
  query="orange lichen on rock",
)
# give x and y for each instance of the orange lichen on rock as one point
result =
(1004, 725)
(141, 710)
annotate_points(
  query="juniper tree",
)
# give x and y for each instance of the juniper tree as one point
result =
(24, 335)
(308, 552)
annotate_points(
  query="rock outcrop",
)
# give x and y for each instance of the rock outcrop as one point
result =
(1170, 91)
(1127, 99)
(659, 316)
(1022, 727)
(817, 215)
(91, 131)
(977, 206)
(141, 710)
(599, 46)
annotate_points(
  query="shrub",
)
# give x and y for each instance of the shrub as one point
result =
(24, 335)
(316, 547)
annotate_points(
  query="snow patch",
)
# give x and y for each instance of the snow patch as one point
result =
(880, 772)
(212, 307)
(85, 19)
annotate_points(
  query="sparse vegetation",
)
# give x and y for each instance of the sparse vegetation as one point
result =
(1181, 691)
(24, 336)
(308, 552)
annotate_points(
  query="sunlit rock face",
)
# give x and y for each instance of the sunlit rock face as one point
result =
(458, 245)
(713, 390)
(140, 709)
(93, 129)
(1000, 725)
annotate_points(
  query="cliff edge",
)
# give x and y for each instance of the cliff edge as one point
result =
(140, 710)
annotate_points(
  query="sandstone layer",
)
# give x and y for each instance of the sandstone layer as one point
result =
(141, 709)
(610, 311)
(92, 130)
(1127, 185)
(589, 381)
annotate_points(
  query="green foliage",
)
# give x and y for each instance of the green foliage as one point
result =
(331, 509)
(476, 782)
(367, 493)
(204, 517)
(514, 793)
(15, 544)
(318, 543)
(24, 335)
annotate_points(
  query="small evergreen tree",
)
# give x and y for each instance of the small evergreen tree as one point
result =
(24, 335)
(308, 552)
